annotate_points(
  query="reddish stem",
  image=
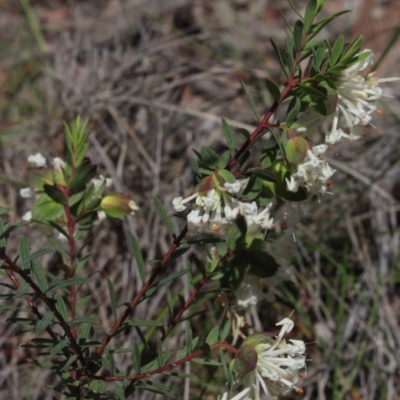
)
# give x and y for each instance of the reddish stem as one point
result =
(142, 291)
(262, 125)
(46, 300)
(167, 367)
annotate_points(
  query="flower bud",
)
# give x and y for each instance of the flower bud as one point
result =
(117, 205)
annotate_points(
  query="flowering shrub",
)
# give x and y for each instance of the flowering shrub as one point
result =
(231, 207)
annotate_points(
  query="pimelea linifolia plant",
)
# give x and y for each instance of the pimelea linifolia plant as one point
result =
(229, 213)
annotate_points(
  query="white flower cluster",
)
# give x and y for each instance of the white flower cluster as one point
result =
(357, 100)
(278, 366)
(218, 207)
(313, 173)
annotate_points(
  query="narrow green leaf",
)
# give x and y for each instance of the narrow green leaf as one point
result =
(213, 336)
(58, 347)
(170, 302)
(35, 255)
(67, 282)
(82, 320)
(40, 276)
(23, 250)
(84, 332)
(311, 12)
(57, 246)
(110, 361)
(5, 233)
(264, 174)
(189, 338)
(5, 210)
(250, 99)
(137, 358)
(319, 25)
(137, 253)
(113, 303)
(228, 136)
(173, 276)
(23, 290)
(44, 323)
(336, 50)
(3, 241)
(273, 89)
(164, 215)
(159, 352)
(120, 391)
(280, 57)
(225, 330)
(209, 157)
(182, 249)
(293, 111)
(64, 365)
(206, 361)
(298, 32)
(144, 323)
(55, 194)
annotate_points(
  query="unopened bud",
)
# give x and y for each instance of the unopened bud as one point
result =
(117, 205)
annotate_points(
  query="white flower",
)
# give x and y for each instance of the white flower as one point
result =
(58, 163)
(37, 160)
(313, 173)
(26, 193)
(97, 183)
(218, 207)
(27, 216)
(277, 367)
(357, 99)
(248, 292)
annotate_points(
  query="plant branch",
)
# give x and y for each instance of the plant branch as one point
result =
(166, 367)
(48, 302)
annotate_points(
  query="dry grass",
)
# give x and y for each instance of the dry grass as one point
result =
(154, 78)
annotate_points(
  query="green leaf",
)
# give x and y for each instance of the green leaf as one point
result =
(311, 12)
(316, 27)
(173, 276)
(170, 302)
(164, 215)
(264, 174)
(298, 35)
(293, 111)
(203, 241)
(82, 175)
(84, 320)
(244, 132)
(23, 251)
(225, 331)
(58, 347)
(35, 255)
(228, 136)
(66, 283)
(213, 336)
(5, 210)
(55, 194)
(84, 332)
(3, 241)
(137, 358)
(296, 149)
(113, 302)
(280, 57)
(144, 323)
(42, 324)
(250, 99)
(82, 262)
(120, 391)
(61, 307)
(109, 361)
(6, 233)
(273, 89)
(189, 339)
(40, 276)
(160, 352)
(45, 209)
(182, 249)
(206, 361)
(336, 51)
(138, 257)
(209, 157)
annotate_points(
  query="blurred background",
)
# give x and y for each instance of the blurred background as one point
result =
(154, 78)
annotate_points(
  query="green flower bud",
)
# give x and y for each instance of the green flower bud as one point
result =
(116, 205)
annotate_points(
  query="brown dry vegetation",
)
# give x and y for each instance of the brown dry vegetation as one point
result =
(154, 78)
